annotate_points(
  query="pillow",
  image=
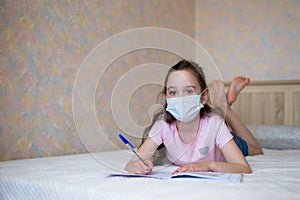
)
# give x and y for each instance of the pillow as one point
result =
(277, 136)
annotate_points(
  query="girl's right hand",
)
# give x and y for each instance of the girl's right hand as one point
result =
(138, 167)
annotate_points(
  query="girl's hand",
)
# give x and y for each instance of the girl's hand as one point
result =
(146, 152)
(138, 167)
(194, 167)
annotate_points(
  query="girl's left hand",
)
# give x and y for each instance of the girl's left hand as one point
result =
(194, 167)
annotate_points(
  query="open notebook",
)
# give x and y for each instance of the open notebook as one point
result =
(207, 176)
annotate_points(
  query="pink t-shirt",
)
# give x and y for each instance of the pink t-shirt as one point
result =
(212, 136)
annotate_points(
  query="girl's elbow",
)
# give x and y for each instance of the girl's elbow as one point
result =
(247, 170)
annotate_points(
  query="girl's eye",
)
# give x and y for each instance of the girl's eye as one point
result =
(189, 92)
(172, 93)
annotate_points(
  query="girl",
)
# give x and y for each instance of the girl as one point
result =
(195, 138)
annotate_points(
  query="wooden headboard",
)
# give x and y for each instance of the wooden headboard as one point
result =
(269, 103)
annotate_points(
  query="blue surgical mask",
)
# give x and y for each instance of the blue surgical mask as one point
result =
(184, 109)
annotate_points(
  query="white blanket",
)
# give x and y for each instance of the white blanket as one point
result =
(276, 175)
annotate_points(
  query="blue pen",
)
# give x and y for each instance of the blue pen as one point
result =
(131, 147)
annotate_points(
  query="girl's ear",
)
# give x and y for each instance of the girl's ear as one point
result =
(204, 96)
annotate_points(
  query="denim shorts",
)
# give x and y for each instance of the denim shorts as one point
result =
(241, 143)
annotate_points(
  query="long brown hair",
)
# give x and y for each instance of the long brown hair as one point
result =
(194, 69)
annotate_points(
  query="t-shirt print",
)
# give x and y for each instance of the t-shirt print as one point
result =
(204, 150)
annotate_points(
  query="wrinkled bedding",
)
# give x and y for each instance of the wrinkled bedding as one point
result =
(276, 175)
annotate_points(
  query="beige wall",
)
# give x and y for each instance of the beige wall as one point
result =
(255, 38)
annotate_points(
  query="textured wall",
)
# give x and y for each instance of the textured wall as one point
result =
(255, 38)
(43, 44)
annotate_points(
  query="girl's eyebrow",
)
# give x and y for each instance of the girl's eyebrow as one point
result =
(171, 87)
(187, 86)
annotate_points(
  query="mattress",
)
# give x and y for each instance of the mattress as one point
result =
(276, 175)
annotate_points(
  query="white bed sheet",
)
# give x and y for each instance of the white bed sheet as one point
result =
(276, 175)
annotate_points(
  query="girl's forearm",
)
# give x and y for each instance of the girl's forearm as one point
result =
(229, 167)
(215, 167)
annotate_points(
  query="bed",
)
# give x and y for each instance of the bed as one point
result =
(276, 174)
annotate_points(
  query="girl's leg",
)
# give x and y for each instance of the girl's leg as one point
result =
(240, 129)
(231, 118)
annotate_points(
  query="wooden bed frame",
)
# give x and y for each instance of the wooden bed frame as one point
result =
(269, 103)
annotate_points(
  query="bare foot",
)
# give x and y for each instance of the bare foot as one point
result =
(236, 86)
(219, 100)
(220, 97)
